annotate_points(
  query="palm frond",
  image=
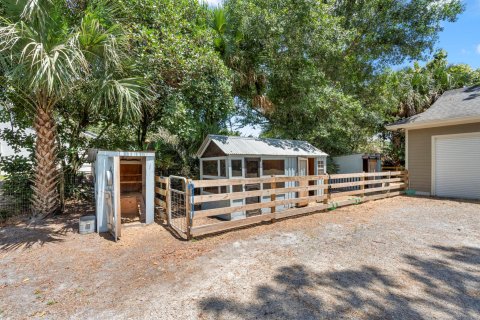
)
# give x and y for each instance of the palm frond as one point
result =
(125, 95)
(102, 43)
(52, 65)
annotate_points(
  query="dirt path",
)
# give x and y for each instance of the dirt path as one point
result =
(398, 258)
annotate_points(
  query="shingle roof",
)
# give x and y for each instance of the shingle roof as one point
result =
(260, 146)
(453, 104)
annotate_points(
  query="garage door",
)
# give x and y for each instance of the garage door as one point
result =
(457, 166)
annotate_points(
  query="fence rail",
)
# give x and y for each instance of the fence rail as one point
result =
(303, 194)
(393, 168)
(162, 188)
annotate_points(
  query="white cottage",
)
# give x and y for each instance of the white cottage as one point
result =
(224, 157)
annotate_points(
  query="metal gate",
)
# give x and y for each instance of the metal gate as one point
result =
(178, 213)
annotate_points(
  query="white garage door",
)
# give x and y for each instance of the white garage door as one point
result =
(457, 166)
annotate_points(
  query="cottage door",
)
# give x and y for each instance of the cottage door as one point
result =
(302, 171)
(252, 170)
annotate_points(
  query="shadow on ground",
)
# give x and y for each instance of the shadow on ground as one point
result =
(26, 235)
(431, 287)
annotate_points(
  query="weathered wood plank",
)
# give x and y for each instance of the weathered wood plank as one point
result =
(366, 174)
(161, 179)
(238, 181)
(384, 195)
(363, 182)
(227, 225)
(255, 193)
(365, 191)
(161, 191)
(161, 203)
(253, 206)
(241, 181)
(270, 192)
(298, 211)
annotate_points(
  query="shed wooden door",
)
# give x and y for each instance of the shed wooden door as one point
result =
(252, 170)
(303, 171)
(114, 214)
(456, 166)
(372, 165)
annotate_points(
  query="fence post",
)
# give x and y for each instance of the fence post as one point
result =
(273, 197)
(168, 201)
(406, 179)
(189, 207)
(388, 183)
(326, 191)
(362, 186)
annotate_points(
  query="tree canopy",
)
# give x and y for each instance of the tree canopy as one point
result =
(162, 74)
(305, 69)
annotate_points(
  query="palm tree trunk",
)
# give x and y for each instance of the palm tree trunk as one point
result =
(45, 193)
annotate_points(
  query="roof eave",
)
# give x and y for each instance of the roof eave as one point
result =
(432, 124)
(204, 146)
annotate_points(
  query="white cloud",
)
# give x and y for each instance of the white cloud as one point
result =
(478, 48)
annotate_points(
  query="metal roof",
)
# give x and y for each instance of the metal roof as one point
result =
(92, 154)
(455, 104)
(232, 145)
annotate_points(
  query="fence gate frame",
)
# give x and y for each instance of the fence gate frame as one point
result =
(180, 208)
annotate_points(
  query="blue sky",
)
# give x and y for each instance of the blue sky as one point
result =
(461, 39)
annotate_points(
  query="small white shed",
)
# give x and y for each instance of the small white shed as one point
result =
(358, 162)
(124, 188)
(225, 157)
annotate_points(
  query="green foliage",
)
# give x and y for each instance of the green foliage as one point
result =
(413, 90)
(72, 58)
(308, 69)
(172, 45)
(162, 74)
(16, 186)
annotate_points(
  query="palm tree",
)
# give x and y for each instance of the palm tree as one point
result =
(47, 49)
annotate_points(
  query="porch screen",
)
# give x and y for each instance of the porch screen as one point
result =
(273, 167)
(210, 168)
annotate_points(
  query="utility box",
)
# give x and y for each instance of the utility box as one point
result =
(124, 188)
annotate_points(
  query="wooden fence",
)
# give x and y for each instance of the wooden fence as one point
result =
(306, 194)
(391, 168)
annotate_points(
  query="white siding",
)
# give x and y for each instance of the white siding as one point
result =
(349, 164)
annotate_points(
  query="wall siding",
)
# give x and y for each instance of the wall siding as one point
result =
(350, 163)
(420, 153)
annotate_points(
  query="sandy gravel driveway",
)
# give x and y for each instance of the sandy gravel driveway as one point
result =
(399, 258)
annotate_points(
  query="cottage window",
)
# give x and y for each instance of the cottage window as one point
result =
(210, 167)
(237, 168)
(320, 167)
(223, 169)
(273, 168)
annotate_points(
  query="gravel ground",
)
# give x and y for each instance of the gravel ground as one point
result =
(399, 258)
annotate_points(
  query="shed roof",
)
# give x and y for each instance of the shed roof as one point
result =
(92, 154)
(232, 145)
(453, 107)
